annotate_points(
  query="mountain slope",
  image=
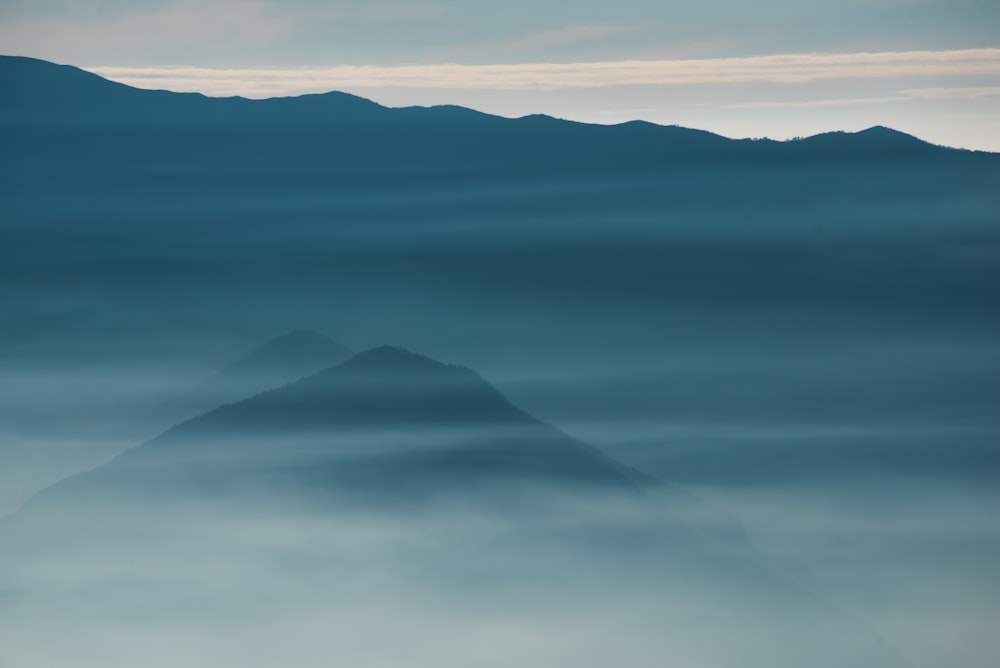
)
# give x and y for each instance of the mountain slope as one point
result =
(37, 92)
(276, 362)
(383, 431)
(387, 425)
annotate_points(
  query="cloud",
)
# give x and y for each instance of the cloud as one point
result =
(569, 35)
(815, 104)
(777, 68)
(557, 38)
(941, 93)
(970, 93)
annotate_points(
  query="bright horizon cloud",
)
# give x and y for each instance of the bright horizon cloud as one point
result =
(777, 68)
(950, 97)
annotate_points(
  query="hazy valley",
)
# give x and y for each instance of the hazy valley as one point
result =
(312, 380)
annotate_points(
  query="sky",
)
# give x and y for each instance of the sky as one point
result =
(776, 68)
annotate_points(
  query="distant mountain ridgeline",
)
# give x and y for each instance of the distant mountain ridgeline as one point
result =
(279, 361)
(145, 227)
(717, 311)
(44, 95)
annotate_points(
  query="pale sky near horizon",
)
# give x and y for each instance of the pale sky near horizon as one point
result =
(777, 68)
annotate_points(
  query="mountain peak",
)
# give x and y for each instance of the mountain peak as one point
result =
(276, 362)
(30, 85)
(302, 348)
(881, 130)
(393, 359)
(386, 421)
(24, 66)
(37, 90)
(877, 141)
(883, 133)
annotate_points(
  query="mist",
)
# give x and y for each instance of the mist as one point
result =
(576, 582)
(314, 381)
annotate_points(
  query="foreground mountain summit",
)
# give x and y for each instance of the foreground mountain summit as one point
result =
(387, 481)
(386, 425)
(276, 362)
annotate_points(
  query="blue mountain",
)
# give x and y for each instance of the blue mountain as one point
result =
(385, 426)
(37, 92)
(276, 362)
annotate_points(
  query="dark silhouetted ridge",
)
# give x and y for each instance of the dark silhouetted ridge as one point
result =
(279, 361)
(30, 82)
(382, 388)
(37, 93)
(289, 356)
(386, 425)
(882, 133)
(875, 142)
(393, 359)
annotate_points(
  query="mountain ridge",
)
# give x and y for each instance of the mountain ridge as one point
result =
(292, 355)
(31, 97)
(386, 425)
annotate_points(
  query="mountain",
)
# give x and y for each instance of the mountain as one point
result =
(633, 247)
(131, 240)
(878, 140)
(277, 362)
(686, 298)
(37, 93)
(312, 496)
(387, 425)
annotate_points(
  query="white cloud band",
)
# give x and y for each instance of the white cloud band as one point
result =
(780, 68)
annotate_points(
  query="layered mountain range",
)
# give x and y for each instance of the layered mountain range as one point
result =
(385, 426)
(41, 94)
(720, 312)
(392, 467)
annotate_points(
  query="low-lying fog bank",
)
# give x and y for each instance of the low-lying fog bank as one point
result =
(558, 580)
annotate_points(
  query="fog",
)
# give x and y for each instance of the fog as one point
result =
(914, 557)
(775, 543)
(720, 403)
(558, 579)
(830, 576)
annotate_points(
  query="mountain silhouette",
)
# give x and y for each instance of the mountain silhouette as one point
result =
(877, 139)
(385, 431)
(386, 425)
(36, 93)
(196, 209)
(281, 360)
(276, 362)
(686, 296)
